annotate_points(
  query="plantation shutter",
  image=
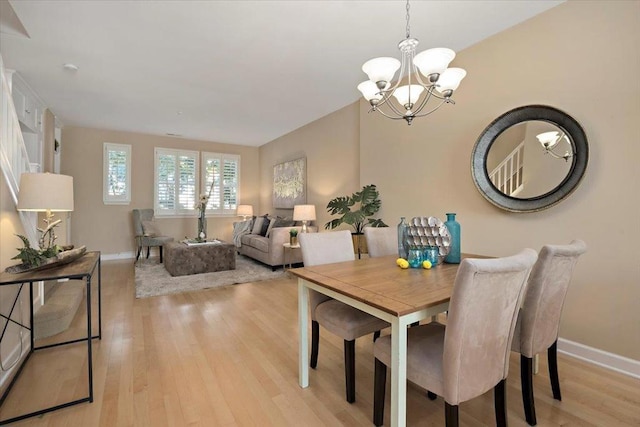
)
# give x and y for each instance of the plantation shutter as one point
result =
(176, 181)
(222, 176)
(116, 174)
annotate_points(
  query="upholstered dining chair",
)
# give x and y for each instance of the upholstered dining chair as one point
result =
(341, 319)
(381, 241)
(539, 318)
(147, 233)
(470, 355)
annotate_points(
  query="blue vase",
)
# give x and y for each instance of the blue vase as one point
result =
(403, 228)
(453, 257)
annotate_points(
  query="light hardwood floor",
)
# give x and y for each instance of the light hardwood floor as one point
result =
(228, 357)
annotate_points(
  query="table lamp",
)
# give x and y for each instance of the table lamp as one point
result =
(244, 211)
(304, 213)
(46, 192)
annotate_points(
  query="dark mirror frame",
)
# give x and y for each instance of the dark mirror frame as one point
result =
(568, 124)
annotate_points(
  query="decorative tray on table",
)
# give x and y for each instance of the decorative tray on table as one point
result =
(429, 231)
(62, 258)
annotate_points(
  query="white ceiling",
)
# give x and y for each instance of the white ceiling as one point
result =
(239, 72)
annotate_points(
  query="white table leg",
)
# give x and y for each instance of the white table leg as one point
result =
(303, 334)
(398, 373)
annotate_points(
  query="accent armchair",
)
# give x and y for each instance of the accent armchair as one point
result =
(147, 233)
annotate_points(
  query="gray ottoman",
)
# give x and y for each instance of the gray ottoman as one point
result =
(181, 259)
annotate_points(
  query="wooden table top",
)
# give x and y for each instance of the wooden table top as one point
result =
(77, 269)
(379, 282)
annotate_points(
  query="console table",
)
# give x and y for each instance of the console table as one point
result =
(81, 269)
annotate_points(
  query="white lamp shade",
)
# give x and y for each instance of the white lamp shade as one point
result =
(381, 69)
(369, 90)
(408, 94)
(304, 213)
(245, 210)
(548, 139)
(450, 79)
(45, 191)
(434, 61)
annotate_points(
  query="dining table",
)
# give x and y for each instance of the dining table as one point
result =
(380, 287)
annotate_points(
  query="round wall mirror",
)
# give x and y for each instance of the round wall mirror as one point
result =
(529, 158)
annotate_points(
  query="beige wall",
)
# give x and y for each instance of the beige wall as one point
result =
(559, 58)
(109, 228)
(331, 146)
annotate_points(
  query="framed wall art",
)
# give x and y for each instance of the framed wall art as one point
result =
(289, 184)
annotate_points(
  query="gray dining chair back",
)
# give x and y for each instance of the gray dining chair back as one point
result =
(338, 318)
(381, 241)
(324, 248)
(539, 318)
(469, 356)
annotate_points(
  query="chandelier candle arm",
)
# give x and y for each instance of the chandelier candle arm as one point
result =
(432, 64)
(550, 140)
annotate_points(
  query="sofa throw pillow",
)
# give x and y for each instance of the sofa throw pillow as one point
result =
(265, 226)
(280, 222)
(150, 228)
(257, 225)
(272, 223)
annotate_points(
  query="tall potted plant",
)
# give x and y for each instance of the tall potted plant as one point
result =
(356, 210)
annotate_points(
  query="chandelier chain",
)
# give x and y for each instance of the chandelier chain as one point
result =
(408, 28)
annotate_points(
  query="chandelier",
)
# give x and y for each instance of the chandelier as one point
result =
(550, 140)
(412, 97)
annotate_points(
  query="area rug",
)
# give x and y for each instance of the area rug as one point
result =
(153, 279)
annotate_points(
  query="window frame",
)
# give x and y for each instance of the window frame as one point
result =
(108, 199)
(176, 211)
(222, 157)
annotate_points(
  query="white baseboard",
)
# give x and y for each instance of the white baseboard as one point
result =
(119, 255)
(7, 376)
(601, 358)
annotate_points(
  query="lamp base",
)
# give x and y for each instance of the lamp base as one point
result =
(304, 227)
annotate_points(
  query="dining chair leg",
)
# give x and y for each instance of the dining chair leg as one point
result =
(315, 341)
(431, 395)
(138, 254)
(160, 247)
(376, 335)
(379, 385)
(526, 380)
(350, 369)
(450, 415)
(500, 403)
(148, 251)
(552, 357)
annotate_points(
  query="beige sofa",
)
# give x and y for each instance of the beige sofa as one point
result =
(270, 250)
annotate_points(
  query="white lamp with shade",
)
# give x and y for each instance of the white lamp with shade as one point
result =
(46, 192)
(244, 211)
(304, 213)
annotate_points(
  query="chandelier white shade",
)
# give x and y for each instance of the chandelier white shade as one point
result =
(549, 141)
(410, 100)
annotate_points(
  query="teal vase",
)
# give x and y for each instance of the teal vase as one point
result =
(403, 228)
(453, 257)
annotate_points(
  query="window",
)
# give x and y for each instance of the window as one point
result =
(176, 181)
(116, 182)
(221, 180)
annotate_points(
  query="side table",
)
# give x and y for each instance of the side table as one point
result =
(82, 268)
(288, 247)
